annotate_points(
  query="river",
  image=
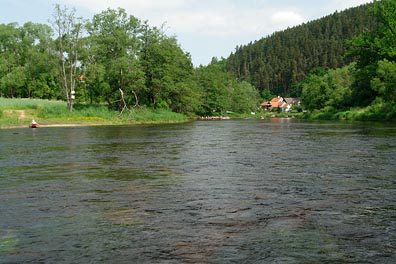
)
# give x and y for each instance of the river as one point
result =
(237, 191)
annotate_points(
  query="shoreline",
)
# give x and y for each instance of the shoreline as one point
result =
(79, 123)
(60, 124)
(50, 125)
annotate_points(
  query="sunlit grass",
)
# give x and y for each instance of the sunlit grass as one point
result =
(19, 112)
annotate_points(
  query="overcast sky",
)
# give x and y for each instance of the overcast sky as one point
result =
(204, 28)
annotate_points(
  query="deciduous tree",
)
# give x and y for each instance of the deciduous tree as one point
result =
(69, 31)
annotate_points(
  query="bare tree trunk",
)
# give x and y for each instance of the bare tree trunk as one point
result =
(123, 101)
(136, 99)
(69, 31)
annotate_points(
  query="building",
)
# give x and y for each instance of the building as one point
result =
(285, 104)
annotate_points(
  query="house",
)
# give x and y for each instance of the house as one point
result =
(276, 102)
(293, 101)
(279, 102)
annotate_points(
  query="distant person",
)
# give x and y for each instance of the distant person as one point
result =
(34, 124)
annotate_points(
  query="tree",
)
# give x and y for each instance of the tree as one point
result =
(371, 47)
(385, 82)
(69, 30)
(245, 98)
(168, 71)
(26, 60)
(114, 47)
(13, 82)
(338, 89)
(314, 92)
(214, 85)
(40, 62)
(384, 38)
(331, 89)
(10, 59)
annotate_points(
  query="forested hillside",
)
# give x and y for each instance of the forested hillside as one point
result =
(278, 62)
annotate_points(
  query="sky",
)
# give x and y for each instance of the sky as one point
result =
(203, 28)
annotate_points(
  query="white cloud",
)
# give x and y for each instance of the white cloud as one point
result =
(286, 18)
(344, 4)
(230, 22)
(130, 5)
(218, 23)
(203, 17)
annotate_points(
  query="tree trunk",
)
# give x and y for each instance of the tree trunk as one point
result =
(123, 101)
(136, 99)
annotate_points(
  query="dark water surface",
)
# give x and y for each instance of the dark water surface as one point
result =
(247, 191)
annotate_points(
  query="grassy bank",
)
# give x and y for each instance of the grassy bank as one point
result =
(19, 112)
(370, 113)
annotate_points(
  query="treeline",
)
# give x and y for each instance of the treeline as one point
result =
(116, 59)
(277, 63)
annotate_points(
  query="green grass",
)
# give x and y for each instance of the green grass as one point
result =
(19, 112)
(147, 115)
(16, 104)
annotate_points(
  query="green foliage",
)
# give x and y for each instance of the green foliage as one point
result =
(339, 92)
(371, 47)
(149, 115)
(113, 48)
(384, 36)
(385, 82)
(332, 89)
(119, 60)
(378, 111)
(266, 95)
(25, 60)
(127, 64)
(168, 71)
(245, 98)
(280, 61)
(313, 94)
(213, 83)
(12, 83)
(222, 93)
(186, 98)
(68, 46)
(95, 84)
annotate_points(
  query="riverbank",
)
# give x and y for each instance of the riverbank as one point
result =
(16, 113)
(370, 113)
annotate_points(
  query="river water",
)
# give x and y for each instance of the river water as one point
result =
(244, 191)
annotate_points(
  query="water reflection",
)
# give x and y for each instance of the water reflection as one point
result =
(251, 191)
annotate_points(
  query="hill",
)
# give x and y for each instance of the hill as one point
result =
(278, 62)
